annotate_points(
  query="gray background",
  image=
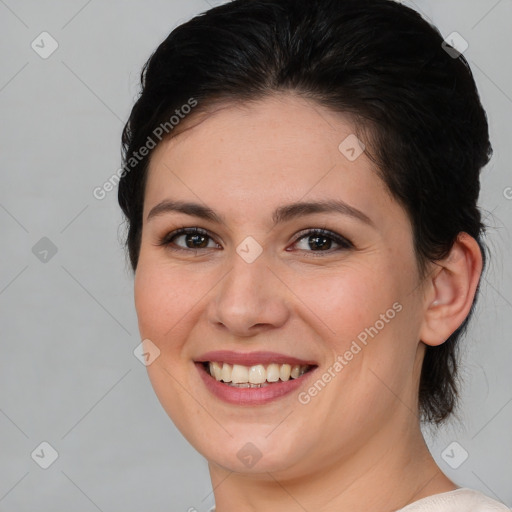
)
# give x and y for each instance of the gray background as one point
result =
(68, 375)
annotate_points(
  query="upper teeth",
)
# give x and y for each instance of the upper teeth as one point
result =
(256, 374)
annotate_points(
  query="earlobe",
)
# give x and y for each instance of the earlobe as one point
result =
(452, 291)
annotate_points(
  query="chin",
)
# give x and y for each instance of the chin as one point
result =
(253, 452)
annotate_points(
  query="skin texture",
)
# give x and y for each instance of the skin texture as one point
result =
(357, 445)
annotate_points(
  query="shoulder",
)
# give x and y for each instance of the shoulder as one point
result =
(459, 500)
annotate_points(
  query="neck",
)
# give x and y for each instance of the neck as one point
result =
(391, 470)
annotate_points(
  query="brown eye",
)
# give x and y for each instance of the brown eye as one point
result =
(188, 239)
(321, 240)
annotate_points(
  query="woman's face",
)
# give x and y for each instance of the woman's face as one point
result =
(267, 289)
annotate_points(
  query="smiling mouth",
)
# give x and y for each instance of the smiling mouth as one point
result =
(256, 376)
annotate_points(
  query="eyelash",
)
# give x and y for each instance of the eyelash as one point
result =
(344, 244)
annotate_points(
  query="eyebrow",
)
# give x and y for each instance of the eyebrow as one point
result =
(281, 214)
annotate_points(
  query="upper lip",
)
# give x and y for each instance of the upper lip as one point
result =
(251, 358)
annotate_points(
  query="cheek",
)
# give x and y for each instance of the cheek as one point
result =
(164, 299)
(347, 301)
(366, 321)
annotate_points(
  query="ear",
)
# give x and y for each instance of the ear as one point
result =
(450, 290)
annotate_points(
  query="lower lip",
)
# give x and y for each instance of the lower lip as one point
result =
(250, 396)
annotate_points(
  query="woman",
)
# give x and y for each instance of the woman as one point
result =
(300, 183)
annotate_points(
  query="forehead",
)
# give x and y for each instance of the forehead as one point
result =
(262, 153)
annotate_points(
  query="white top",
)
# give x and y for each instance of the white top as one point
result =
(459, 500)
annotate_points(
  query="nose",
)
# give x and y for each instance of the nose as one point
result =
(250, 299)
